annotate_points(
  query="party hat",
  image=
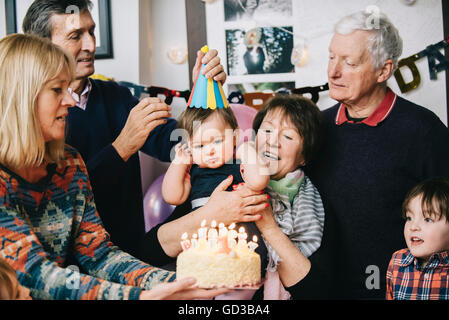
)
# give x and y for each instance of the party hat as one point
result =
(207, 93)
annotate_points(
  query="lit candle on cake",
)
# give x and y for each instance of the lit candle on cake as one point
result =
(223, 239)
(185, 243)
(202, 232)
(202, 235)
(212, 235)
(232, 236)
(194, 241)
(222, 231)
(253, 244)
(242, 238)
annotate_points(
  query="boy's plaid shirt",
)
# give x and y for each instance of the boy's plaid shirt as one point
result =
(406, 280)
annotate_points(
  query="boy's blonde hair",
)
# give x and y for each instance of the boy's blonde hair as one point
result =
(27, 62)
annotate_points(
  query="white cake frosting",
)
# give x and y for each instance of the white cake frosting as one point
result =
(220, 262)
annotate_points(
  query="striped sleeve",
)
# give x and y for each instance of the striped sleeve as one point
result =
(302, 222)
(308, 219)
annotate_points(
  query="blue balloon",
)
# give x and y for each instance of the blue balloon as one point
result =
(156, 210)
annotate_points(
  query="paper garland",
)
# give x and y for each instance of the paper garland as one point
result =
(209, 93)
(153, 91)
(433, 55)
(314, 91)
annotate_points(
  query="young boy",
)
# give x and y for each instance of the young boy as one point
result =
(421, 271)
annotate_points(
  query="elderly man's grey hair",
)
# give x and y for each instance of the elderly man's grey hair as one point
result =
(38, 17)
(385, 43)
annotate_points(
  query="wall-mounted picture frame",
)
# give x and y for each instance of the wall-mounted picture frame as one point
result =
(101, 14)
(102, 18)
(259, 50)
(241, 10)
(256, 41)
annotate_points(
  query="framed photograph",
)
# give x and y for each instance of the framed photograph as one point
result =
(240, 10)
(101, 14)
(259, 50)
(279, 87)
(255, 39)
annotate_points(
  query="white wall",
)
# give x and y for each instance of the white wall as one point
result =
(419, 25)
(125, 39)
(168, 29)
(169, 26)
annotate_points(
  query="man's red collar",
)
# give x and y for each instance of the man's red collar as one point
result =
(379, 115)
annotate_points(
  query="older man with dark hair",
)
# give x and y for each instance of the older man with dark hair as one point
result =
(109, 126)
(377, 146)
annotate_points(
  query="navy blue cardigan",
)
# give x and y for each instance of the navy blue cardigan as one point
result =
(116, 185)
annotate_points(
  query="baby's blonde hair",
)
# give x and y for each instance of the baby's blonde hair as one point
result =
(27, 62)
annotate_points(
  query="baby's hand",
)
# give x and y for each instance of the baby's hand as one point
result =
(182, 154)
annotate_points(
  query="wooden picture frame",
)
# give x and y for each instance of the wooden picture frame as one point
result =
(101, 14)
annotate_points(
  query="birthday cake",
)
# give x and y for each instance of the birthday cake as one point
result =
(219, 258)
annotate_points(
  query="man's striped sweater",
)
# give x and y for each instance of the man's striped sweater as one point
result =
(41, 223)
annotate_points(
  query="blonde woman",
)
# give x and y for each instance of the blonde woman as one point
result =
(47, 211)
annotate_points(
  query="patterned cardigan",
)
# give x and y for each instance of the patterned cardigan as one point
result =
(42, 223)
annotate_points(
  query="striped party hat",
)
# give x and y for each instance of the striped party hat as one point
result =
(207, 93)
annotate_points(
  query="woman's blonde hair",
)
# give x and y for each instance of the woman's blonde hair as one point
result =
(27, 63)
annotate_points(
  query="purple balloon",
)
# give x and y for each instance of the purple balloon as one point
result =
(156, 210)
